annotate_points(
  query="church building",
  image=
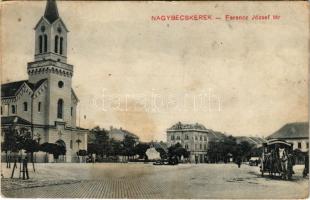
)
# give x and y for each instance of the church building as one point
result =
(46, 102)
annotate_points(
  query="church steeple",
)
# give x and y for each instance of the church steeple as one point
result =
(51, 11)
(51, 35)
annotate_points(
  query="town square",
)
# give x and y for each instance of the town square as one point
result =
(101, 100)
(138, 180)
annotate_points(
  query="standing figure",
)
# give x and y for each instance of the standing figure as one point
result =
(306, 169)
(239, 161)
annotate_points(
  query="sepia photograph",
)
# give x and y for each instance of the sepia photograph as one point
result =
(154, 99)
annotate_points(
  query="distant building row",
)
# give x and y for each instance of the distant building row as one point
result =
(196, 137)
(117, 134)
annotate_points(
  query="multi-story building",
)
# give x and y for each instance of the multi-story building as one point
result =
(194, 138)
(46, 102)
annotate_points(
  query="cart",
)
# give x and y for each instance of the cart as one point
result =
(277, 159)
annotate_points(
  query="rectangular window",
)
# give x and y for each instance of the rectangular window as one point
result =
(71, 111)
(178, 137)
(299, 145)
(39, 107)
(200, 138)
(307, 145)
(196, 138)
(200, 146)
(205, 138)
(25, 106)
(205, 147)
(172, 137)
(186, 137)
(186, 146)
(1, 111)
(13, 109)
(71, 144)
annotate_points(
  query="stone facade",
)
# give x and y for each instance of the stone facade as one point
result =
(46, 100)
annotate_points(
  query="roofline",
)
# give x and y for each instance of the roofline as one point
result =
(43, 18)
(183, 130)
(37, 24)
(287, 138)
(19, 89)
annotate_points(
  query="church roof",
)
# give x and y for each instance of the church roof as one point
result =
(11, 89)
(51, 11)
(9, 120)
(292, 131)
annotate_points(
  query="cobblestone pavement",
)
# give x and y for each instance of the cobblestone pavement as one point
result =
(182, 181)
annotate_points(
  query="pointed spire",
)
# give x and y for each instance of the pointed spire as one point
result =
(51, 11)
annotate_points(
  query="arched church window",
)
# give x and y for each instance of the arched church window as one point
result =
(60, 108)
(25, 106)
(56, 44)
(45, 43)
(40, 44)
(61, 45)
(13, 109)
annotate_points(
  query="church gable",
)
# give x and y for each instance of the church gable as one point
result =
(42, 22)
(40, 88)
(24, 90)
(59, 23)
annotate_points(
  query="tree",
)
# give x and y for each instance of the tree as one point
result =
(117, 148)
(177, 151)
(220, 150)
(140, 149)
(54, 149)
(31, 146)
(162, 153)
(244, 149)
(129, 144)
(100, 145)
(9, 144)
(82, 152)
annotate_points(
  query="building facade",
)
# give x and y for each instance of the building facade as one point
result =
(46, 102)
(298, 135)
(194, 138)
(295, 133)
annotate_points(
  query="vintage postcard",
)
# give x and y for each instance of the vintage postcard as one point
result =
(154, 100)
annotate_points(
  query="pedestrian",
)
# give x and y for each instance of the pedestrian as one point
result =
(239, 161)
(306, 169)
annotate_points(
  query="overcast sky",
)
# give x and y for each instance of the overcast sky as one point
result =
(238, 77)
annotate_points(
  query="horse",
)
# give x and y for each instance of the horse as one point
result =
(286, 164)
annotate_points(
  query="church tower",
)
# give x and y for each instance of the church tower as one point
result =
(51, 35)
(50, 63)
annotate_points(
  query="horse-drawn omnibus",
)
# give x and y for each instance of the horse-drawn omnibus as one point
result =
(277, 158)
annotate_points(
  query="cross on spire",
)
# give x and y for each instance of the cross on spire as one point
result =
(51, 11)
